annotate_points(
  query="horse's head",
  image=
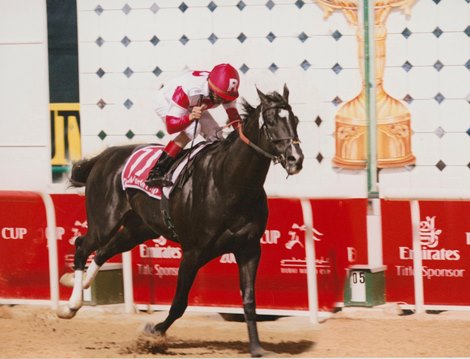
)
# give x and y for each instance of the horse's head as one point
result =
(279, 124)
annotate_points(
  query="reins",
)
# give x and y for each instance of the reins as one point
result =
(275, 158)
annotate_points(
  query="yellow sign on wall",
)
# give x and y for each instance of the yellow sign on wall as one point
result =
(65, 133)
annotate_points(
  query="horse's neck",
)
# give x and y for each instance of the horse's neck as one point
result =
(246, 168)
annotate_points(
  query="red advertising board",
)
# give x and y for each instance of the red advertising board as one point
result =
(24, 265)
(71, 223)
(340, 232)
(396, 233)
(445, 241)
(339, 235)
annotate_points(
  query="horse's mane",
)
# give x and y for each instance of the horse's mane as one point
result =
(248, 111)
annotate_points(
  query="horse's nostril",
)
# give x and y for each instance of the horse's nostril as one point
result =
(291, 159)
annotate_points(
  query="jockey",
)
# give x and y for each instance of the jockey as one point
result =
(182, 105)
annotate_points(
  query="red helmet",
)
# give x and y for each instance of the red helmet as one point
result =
(224, 81)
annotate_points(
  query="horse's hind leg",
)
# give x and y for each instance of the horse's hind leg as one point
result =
(132, 233)
(84, 246)
(188, 269)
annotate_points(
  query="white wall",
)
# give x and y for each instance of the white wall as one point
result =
(24, 96)
(312, 89)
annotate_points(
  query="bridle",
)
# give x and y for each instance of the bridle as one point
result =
(278, 158)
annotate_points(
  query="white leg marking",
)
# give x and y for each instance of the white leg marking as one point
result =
(75, 301)
(91, 273)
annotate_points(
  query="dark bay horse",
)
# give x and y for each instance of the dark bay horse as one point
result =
(221, 207)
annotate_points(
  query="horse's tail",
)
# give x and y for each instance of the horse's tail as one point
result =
(81, 170)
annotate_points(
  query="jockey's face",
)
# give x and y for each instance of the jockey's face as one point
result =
(217, 100)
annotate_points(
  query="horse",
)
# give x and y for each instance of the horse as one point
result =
(220, 207)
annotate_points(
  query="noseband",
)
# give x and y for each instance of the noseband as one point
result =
(279, 158)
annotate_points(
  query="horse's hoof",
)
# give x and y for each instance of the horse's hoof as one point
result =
(260, 352)
(65, 312)
(67, 280)
(153, 330)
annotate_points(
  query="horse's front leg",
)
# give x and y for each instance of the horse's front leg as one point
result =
(188, 269)
(248, 260)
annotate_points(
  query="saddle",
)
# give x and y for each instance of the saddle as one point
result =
(142, 160)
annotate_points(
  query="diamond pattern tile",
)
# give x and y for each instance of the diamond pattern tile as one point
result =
(160, 134)
(440, 132)
(100, 72)
(438, 65)
(318, 121)
(336, 101)
(467, 30)
(154, 40)
(441, 165)
(273, 67)
(336, 35)
(305, 65)
(241, 5)
(126, 41)
(407, 66)
(241, 37)
(244, 68)
(183, 7)
(337, 68)
(212, 39)
(467, 65)
(270, 4)
(154, 8)
(406, 33)
(99, 41)
(102, 135)
(408, 99)
(130, 134)
(157, 71)
(212, 6)
(319, 157)
(439, 98)
(437, 32)
(128, 104)
(271, 37)
(101, 104)
(99, 10)
(299, 3)
(302, 37)
(184, 39)
(128, 72)
(126, 9)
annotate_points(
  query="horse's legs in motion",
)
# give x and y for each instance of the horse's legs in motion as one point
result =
(188, 269)
(84, 246)
(248, 260)
(130, 234)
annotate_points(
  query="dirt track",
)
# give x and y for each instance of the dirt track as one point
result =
(32, 332)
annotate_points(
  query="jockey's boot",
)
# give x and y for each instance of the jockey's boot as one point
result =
(158, 174)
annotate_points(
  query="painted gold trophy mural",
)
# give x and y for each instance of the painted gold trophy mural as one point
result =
(393, 117)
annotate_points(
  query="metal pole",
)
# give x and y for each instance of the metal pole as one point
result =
(370, 93)
(51, 235)
(127, 282)
(312, 287)
(417, 257)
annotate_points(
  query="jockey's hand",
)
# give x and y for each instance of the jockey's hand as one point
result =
(196, 112)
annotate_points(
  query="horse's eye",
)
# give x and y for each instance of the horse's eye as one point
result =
(283, 113)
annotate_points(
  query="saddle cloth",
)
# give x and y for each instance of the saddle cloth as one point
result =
(139, 164)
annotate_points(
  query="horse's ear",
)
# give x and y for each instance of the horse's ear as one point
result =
(262, 96)
(286, 93)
